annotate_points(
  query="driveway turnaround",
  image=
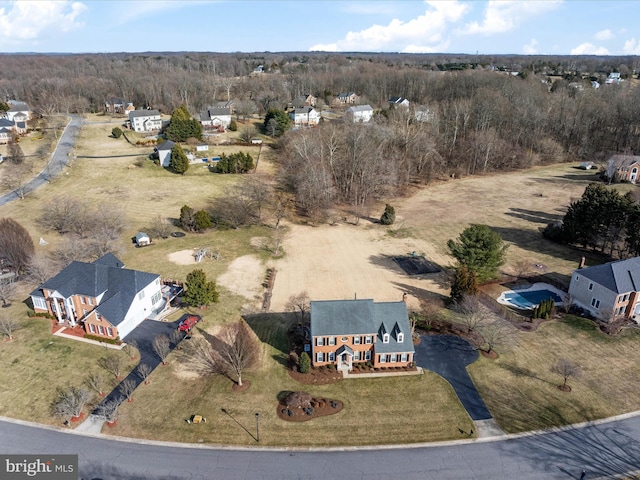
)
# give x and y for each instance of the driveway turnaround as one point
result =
(604, 451)
(448, 356)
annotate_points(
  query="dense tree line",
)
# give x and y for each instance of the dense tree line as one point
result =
(603, 220)
(235, 163)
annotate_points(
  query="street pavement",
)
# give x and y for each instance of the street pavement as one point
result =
(59, 159)
(604, 450)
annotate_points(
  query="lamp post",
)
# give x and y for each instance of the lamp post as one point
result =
(257, 428)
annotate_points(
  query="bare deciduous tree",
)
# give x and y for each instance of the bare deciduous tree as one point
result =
(162, 347)
(127, 387)
(143, 371)
(7, 289)
(499, 332)
(176, 337)
(69, 402)
(472, 311)
(566, 369)
(299, 305)
(235, 350)
(95, 382)
(160, 227)
(108, 410)
(16, 177)
(16, 246)
(131, 348)
(41, 269)
(8, 325)
(114, 364)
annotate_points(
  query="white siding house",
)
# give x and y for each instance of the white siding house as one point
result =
(144, 121)
(305, 117)
(359, 113)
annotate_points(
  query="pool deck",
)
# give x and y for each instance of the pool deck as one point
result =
(530, 288)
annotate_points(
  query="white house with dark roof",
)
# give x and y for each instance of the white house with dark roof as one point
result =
(346, 98)
(19, 112)
(399, 102)
(344, 332)
(216, 118)
(163, 151)
(609, 291)
(359, 113)
(305, 117)
(107, 298)
(145, 121)
(7, 129)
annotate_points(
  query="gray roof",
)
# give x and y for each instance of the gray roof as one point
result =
(620, 277)
(303, 110)
(19, 107)
(166, 145)
(363, 317)
(143, 113)
(624, 160)
(214, 112)
(5, 122)
(397, 99)
(106, 275)
(345, 94)
(117, 101)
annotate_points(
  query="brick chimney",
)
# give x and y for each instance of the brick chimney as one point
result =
(582, 262)
(404, 297)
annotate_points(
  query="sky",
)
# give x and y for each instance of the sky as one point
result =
(538, 27)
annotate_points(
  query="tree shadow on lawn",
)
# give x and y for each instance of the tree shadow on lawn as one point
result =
(441, 278)
(421, 293)
(272, 328)
(586, 177)
(603, 451)
(534, 216)
(523, 372)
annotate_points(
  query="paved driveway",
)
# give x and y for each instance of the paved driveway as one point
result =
(448, 356)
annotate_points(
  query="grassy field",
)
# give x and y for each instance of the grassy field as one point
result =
(394, 410)
(521, 391)
(518, 387)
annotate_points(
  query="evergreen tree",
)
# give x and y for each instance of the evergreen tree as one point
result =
(202, 221)
(282, 122)
(305, 362)
(481, 250)
(182, 126)
(179, 162)
(198, 291)
(187, 218)
(235, 163)
(116, 132)
(464, 283)
(389, 215)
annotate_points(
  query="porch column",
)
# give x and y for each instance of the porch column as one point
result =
(56, 307)
(69, 308)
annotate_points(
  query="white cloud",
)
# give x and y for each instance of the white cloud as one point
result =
(631, 47)
(504, 15)
(589, 49)
(29, 20)
(531, 47)
(604, 35)
(423, 34)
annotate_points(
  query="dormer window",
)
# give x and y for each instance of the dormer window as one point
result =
(400, 337)
(385, 338)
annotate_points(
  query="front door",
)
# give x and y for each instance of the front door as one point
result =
(344, 362)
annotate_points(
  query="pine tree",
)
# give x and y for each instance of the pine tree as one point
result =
(198, 291)
(179, 162)
(305, 362)
(202, 221)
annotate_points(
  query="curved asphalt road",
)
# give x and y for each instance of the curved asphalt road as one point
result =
(448, 356)
(59, 159)
(604, 451)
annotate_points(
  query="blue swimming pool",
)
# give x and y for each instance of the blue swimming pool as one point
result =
(528, 300)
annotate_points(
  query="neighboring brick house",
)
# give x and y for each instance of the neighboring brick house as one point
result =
(216, 118)
(145, 121)
(346, 98)
(118, 105)
(609, 291)
(359, 113)
(625, 166)
(306, 100)
(344, 332)
(305, 117)
(107, 298)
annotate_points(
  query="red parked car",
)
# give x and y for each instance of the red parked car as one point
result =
(188, 323)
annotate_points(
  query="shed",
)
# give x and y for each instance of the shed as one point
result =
(142, 239)
(164, 152)
(202, 147)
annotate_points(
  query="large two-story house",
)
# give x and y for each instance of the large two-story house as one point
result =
(145, 121)
(626, 167)
(305, 117)
(344, 332)
(359, 113)
(107, 298)
(609, 291)
(216, 118)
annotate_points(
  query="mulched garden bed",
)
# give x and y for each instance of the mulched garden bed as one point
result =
(319, 408)
(239, 389)
(316, 376)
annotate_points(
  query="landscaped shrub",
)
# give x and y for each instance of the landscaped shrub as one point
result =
(32, 314)
(112, 341)
(305, 363)
(233, 126)
(116, 132)
(389, 215)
